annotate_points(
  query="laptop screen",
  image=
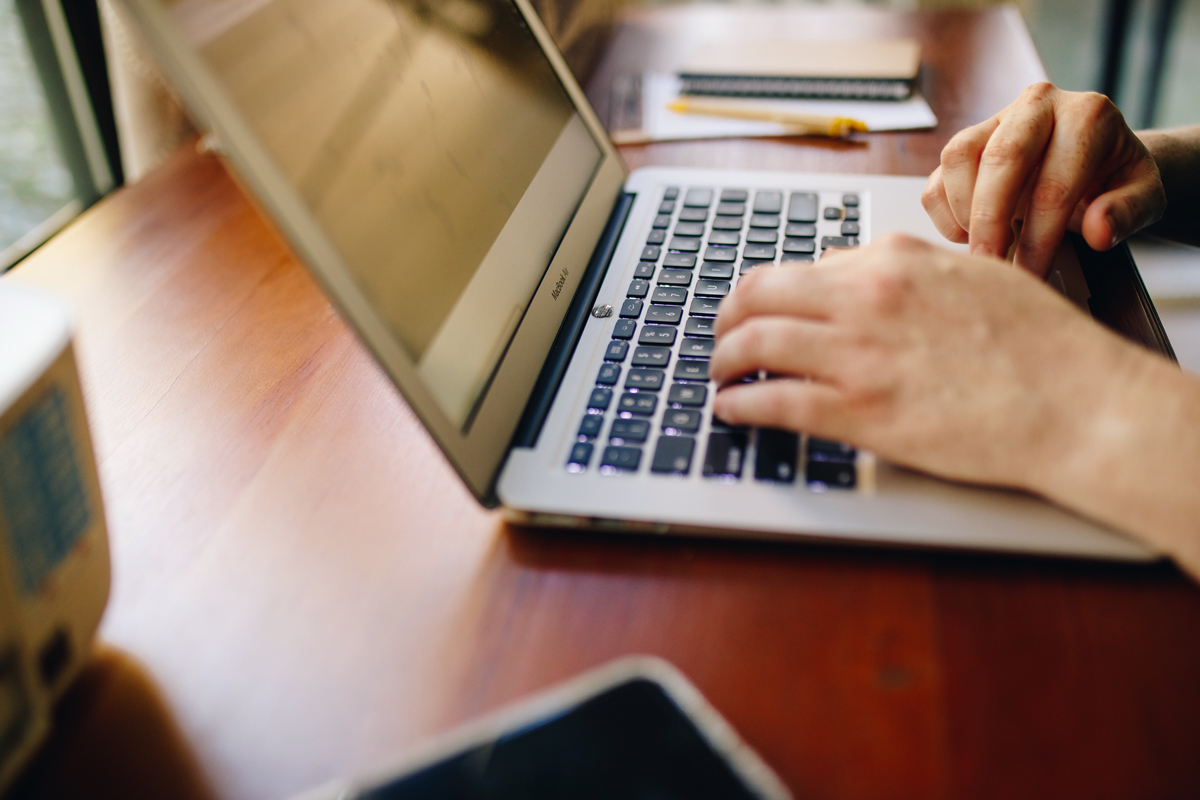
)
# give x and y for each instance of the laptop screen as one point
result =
(432, 142)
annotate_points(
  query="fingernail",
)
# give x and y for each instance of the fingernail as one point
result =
(983, 250)
(1112, 226)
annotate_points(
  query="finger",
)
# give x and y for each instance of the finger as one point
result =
(1080, 142)
(960, 166)
(797, 291)
(1011, 156)
(780, 345)
(937, 206)
(791, 404)
(1119, 213)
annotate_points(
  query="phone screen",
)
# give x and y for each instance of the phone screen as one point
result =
(631, 741)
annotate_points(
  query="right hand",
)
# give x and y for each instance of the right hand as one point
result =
(1052, 160)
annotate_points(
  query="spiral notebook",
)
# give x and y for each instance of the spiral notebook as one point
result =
(884, 69)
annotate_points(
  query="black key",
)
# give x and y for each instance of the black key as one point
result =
(699, 326)
(685, 420)
(764, 220)
(698, 198)
(849, 229)
(727, 224)
(689, 229)
(734, 209)
(796, 258)
(705, 306)
(838, 241)
(664, 315)
(590, 427)
(827, 450)
(764, 251)
(833, 212)
(685, 244)
(671, 295)
(747, 266)
(679, 260)
(693, 215)
(600, 398)
(609, 374)
(775, 456)
(696, 348)
(835, 474)
(768, 202)
(691, 370)
(629, 430)
(662, 335)
(656, 237)
(849, 199)
(631, 308)
(674, 277)
(645, 269)
(651, 253)
(626, 458)
(710, 288)
(651, 356)
(762, 235)
(671, 193)
(673, 454)
(638, 288)
(624, 329)
(799, 246)
(616, 350)
(662, 221)
(581, 456)
(726, 451)
(649, 380)
(642, 403)
(734, 195)
(688, 394)
(802, 207)
(802, 230)
(717, 270)
(852, 214)
(666, 207)
(725, 237)
(720, 253)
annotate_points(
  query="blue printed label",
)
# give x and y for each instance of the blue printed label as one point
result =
(42, 491)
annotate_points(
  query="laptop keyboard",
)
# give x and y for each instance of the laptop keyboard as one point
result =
(650, 409)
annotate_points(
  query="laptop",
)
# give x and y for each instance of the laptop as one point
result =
(547, 315)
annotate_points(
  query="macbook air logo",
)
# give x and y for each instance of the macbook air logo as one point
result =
(562, 279)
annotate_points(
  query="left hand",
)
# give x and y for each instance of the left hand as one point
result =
(958, 365)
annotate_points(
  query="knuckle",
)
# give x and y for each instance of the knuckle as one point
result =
(959, 152)
(1001, 151)
(1096, 108)
(1051, 194)
(1038, 92)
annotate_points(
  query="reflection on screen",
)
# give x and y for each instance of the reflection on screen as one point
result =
(431, 141)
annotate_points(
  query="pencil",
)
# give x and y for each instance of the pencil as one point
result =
(812, 124)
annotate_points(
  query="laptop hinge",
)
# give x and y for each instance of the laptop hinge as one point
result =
(530, 426)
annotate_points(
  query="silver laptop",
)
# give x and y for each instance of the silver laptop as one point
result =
(547, 315)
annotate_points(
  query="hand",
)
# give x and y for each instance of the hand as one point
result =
(1051, 160)
(957, 365)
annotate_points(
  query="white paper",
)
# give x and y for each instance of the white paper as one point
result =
(659, 123)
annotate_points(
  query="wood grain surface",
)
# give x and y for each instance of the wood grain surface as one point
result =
(313, 592)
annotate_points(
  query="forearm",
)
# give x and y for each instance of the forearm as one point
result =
(1177, 153)
(1137, 463)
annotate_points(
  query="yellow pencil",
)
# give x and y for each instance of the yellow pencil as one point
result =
(811, 124)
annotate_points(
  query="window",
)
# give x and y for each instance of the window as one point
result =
(58, 147)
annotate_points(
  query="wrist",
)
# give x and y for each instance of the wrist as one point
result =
(1133, 456)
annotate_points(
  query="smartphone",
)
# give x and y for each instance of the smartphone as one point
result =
(634, 728)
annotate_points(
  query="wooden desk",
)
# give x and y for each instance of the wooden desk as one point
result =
(314, 591)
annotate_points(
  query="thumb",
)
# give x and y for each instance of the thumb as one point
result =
(1125, 209)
